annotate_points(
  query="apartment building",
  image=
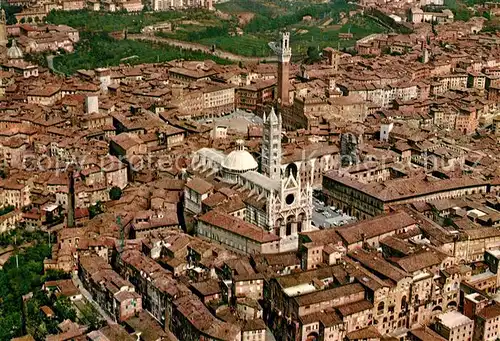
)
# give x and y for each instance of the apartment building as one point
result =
(454, 326)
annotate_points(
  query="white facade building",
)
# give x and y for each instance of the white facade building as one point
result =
(276, 199)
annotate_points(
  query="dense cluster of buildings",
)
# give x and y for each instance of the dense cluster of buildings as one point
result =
(36, 11)
(184, 216)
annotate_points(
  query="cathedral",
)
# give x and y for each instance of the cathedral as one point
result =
(276, 199)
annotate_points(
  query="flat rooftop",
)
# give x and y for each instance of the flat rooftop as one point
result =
(453, 319)
(481, 277)
(300, 289)
(475, 297)
(495, 253)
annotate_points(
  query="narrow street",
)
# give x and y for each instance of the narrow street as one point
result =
(88, 297)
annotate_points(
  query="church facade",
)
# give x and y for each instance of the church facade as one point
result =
(276, 199)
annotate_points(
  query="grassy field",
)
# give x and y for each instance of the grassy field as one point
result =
(254, 42)
(269, 17)
(109, 22)
(99, 50)
(311, 25)
(464, 9)
(247, 45)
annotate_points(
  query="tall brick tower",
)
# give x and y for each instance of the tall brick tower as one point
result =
(284, 53)
(70, 219)
(3, 29)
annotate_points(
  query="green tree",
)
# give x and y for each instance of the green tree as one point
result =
(434, 28)
(98, 49)
(10, 12)
(92, 317)
(18, 278)
(37, 324)
(64, 309)
(6, 209)
(96, 209)
(54, 275)
(115, 193)
(312, 55)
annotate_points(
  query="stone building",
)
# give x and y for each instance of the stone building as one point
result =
(321, 304)
(256, 95)
(369, 199)
(218, 100)
(486, 326)
(310, 110)
(14, 193)
(165, 5)
(115, 294)
(371, 232)
(16, 63)
(276, 200)
(195, 192)
(472, 244)
(454, 326)
(311, 161)
(236, 234)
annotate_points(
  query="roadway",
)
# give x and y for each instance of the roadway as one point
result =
(328, 216)
(88, 297)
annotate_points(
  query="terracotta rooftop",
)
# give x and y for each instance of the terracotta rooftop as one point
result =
(378, 265)
(374, 227)
(421, 260)
(238, 226)
(399, 189)
(329, 294)
(199, 185)
(201, 319)
(489, 312)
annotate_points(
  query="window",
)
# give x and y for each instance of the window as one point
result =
(380, 308)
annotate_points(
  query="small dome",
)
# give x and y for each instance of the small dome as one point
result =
(239, 160)
(14, 52)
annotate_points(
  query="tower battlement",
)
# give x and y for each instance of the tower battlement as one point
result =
(285, 51)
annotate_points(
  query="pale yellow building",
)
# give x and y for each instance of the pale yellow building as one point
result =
(454, 326)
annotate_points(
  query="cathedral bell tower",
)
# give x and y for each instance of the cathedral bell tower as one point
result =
(271, 146)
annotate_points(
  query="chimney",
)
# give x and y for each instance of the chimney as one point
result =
(71, 198)
(91, 104)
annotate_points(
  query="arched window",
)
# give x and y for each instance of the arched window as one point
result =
(277, 227)
(380, 308)
(404, 304)
(300, 222)
(291, 169)
(289, 221)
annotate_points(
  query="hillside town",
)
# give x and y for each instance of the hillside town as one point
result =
(354, 198)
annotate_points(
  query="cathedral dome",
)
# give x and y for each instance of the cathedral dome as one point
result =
(239, 160)
(14, 52)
